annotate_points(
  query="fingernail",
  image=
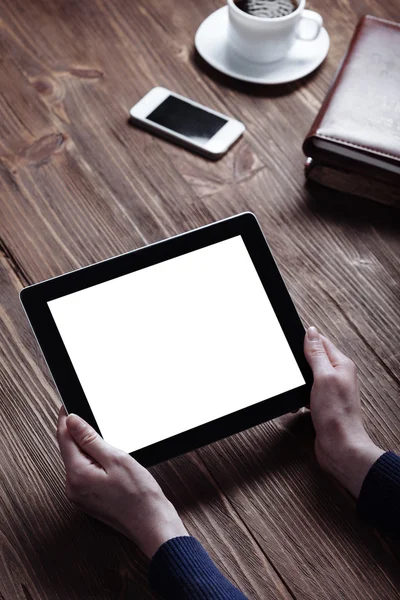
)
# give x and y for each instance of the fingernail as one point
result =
(75, 423)
(313, 334)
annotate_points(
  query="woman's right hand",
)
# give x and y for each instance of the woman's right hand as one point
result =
(342, 445)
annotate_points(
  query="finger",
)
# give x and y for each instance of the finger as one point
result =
(334, 354)
(89, 440)
(315, 352)
(72, 456)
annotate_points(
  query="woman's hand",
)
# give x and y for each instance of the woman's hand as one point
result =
(342, 445)
(111, 486)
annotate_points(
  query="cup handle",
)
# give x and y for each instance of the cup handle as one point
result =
(313, 27)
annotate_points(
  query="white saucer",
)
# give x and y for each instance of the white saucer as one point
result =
(211, 44)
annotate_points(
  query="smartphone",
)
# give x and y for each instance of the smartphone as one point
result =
(186, 122)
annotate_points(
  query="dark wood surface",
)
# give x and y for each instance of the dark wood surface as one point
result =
(79, 184)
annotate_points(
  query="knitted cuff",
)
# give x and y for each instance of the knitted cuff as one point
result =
(379, 500)
(181, 568)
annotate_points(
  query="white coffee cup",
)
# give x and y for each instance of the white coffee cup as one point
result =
(265, 40)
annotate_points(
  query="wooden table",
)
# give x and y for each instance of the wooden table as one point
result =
(78, 185)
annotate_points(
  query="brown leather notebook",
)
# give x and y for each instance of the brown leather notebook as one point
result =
(354, 142)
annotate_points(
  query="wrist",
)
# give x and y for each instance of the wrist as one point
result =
(163, 524)
(359, 461)
(351, 463)
(162, 534)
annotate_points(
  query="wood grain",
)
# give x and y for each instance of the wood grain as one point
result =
(79, 184)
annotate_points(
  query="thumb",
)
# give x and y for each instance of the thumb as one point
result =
(88, 440)
(315, 353)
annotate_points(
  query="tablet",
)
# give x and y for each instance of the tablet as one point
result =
(177, 344)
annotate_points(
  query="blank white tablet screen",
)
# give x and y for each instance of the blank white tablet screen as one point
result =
(175, 345)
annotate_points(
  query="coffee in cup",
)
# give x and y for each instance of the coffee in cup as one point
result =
(259, 32)
(267, 9)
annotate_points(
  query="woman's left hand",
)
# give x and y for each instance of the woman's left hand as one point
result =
(111, 486)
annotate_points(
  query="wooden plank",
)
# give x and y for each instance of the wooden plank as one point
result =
(212, 519)
(138, 187)
(304, 523)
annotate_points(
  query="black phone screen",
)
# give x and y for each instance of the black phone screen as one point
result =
(182, 117)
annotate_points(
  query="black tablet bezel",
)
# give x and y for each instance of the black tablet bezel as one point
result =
(35, 298)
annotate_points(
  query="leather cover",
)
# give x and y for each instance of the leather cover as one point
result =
(351, 182)
(361, 113)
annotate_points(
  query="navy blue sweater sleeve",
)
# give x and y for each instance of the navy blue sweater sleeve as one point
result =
(379, 499)
(181, 570)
